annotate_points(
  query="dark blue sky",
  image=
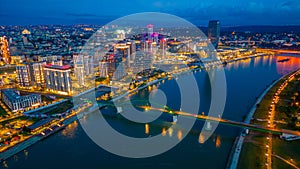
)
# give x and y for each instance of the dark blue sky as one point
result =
(230, 12)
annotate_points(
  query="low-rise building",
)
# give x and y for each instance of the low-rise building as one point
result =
(16, 102)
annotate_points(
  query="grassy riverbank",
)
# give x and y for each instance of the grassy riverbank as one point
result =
(253, 154)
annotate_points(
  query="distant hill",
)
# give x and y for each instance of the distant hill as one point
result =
(259, 29)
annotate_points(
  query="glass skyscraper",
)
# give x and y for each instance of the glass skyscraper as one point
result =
(214, 32)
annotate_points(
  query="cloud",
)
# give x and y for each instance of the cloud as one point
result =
(252, 12)
(229, 11)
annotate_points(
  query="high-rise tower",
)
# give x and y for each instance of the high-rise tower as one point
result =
(214, 32)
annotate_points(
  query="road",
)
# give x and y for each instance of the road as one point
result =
(286, 161)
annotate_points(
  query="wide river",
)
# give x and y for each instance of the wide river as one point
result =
(246, 80)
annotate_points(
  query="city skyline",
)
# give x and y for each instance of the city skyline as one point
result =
(150, 89)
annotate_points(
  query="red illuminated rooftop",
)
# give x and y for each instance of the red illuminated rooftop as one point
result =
(64, 67)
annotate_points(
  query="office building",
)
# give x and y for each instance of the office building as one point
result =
(16, 102)
(24, 78)
(31, 74)
(103, 69)
(88, 64)
(150, 32)
(79, 69)
(122, 52)
(58, 79)
(112, 68)
(79, 74)
(57, 62)
(214, 33)
(120, 34)
(37, 73)
(162, 48)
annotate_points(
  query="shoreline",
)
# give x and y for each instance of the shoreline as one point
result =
(23, 145)
(35, 138)
(239, 141)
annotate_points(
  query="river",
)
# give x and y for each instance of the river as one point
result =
(246, 79)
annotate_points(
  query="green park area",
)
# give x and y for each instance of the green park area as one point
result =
(288, 150)
(286, 108)
(288, 113)
(286, 117)
(2, 112)
(252, 154)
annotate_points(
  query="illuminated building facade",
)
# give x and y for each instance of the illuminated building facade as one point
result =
(79, 69)
(112, 68)
(16, 59)
(150, 32)
(79, 74)
(16, 102)
(214, 32)
(103, 69)
(31, 74)
(24, 78)
(88, 64)
(122, 52)
(57, 62)
(58, 79)
(120, 34)
(37, 72)
(4, 50)
(162, 46)
(142, 61)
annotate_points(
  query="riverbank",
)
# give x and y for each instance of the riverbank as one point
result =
(20, 148)
(249, 150)
(238, 144)
(38, 137)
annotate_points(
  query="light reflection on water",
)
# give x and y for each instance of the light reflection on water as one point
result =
(218, 141)
(70, 130)
(72, 145)
(285, 67)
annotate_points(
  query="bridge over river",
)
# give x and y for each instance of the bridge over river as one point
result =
(224, 121)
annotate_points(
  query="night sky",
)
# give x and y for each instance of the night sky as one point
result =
(230, 12)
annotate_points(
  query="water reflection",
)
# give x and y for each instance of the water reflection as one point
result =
(147, 129)
(179, 135)
(257, 61)
(201, 138)
(267, 61)
(164, 131)
(170, 132)
(16, 157)
(218, 141)
(254, 79)
(286, 66)
(70, 130)
(5, 165)
(26, 153)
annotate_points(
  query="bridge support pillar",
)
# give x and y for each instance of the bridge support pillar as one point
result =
(208, 126)
(119, 110)
(175, 119)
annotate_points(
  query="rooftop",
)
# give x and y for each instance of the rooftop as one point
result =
(40, 123)
(13, 94)
(64, 67)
